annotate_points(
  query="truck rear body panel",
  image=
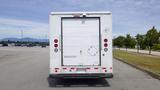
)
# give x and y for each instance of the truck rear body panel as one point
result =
(80, 43)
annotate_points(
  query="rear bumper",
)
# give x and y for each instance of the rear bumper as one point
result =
(97, 75)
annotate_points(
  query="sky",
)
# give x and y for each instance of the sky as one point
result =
(32, 16)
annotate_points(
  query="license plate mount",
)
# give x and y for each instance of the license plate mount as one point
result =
(81, 69)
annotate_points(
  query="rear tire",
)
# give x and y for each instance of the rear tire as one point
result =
(111, 76)
(51, 81)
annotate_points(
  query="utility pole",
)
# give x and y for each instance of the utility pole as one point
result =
(21, 35)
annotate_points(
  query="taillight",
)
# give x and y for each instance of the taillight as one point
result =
(105, 40)
(105, 45)
(55, 40)
(55, 45)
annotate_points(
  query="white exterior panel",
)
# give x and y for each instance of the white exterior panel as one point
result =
(76, 35)
(81, 41)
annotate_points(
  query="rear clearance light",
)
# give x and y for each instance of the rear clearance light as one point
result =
(64, 68)
(72, 68)
(55, 40)
(103, 68)
(105, 45)
(55, 45)
(105, 40)
(88, 68)
(96, 68)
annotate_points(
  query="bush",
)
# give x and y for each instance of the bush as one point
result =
(156, 47)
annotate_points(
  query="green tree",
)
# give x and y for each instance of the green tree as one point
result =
(119, 41)
(140, 42)
(132, 42)
(129, 42)
(159, 37)
(151, 38)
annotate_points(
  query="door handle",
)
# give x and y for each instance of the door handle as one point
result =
(80, 52)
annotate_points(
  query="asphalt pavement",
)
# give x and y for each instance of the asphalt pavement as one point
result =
(23, 68)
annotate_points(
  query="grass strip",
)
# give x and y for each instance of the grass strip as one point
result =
(148, 63)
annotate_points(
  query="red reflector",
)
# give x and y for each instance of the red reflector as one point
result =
(105, 45)
(105, 40)
(55, 45)
(95, 68)
(55, 40)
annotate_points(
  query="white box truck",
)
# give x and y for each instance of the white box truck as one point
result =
(81, 45)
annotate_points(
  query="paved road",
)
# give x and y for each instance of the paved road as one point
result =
(27, 69)
(142, 51)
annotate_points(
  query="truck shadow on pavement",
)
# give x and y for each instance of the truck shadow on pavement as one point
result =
(78, 82)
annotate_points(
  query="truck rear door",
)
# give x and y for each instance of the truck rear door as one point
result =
(81, 41)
